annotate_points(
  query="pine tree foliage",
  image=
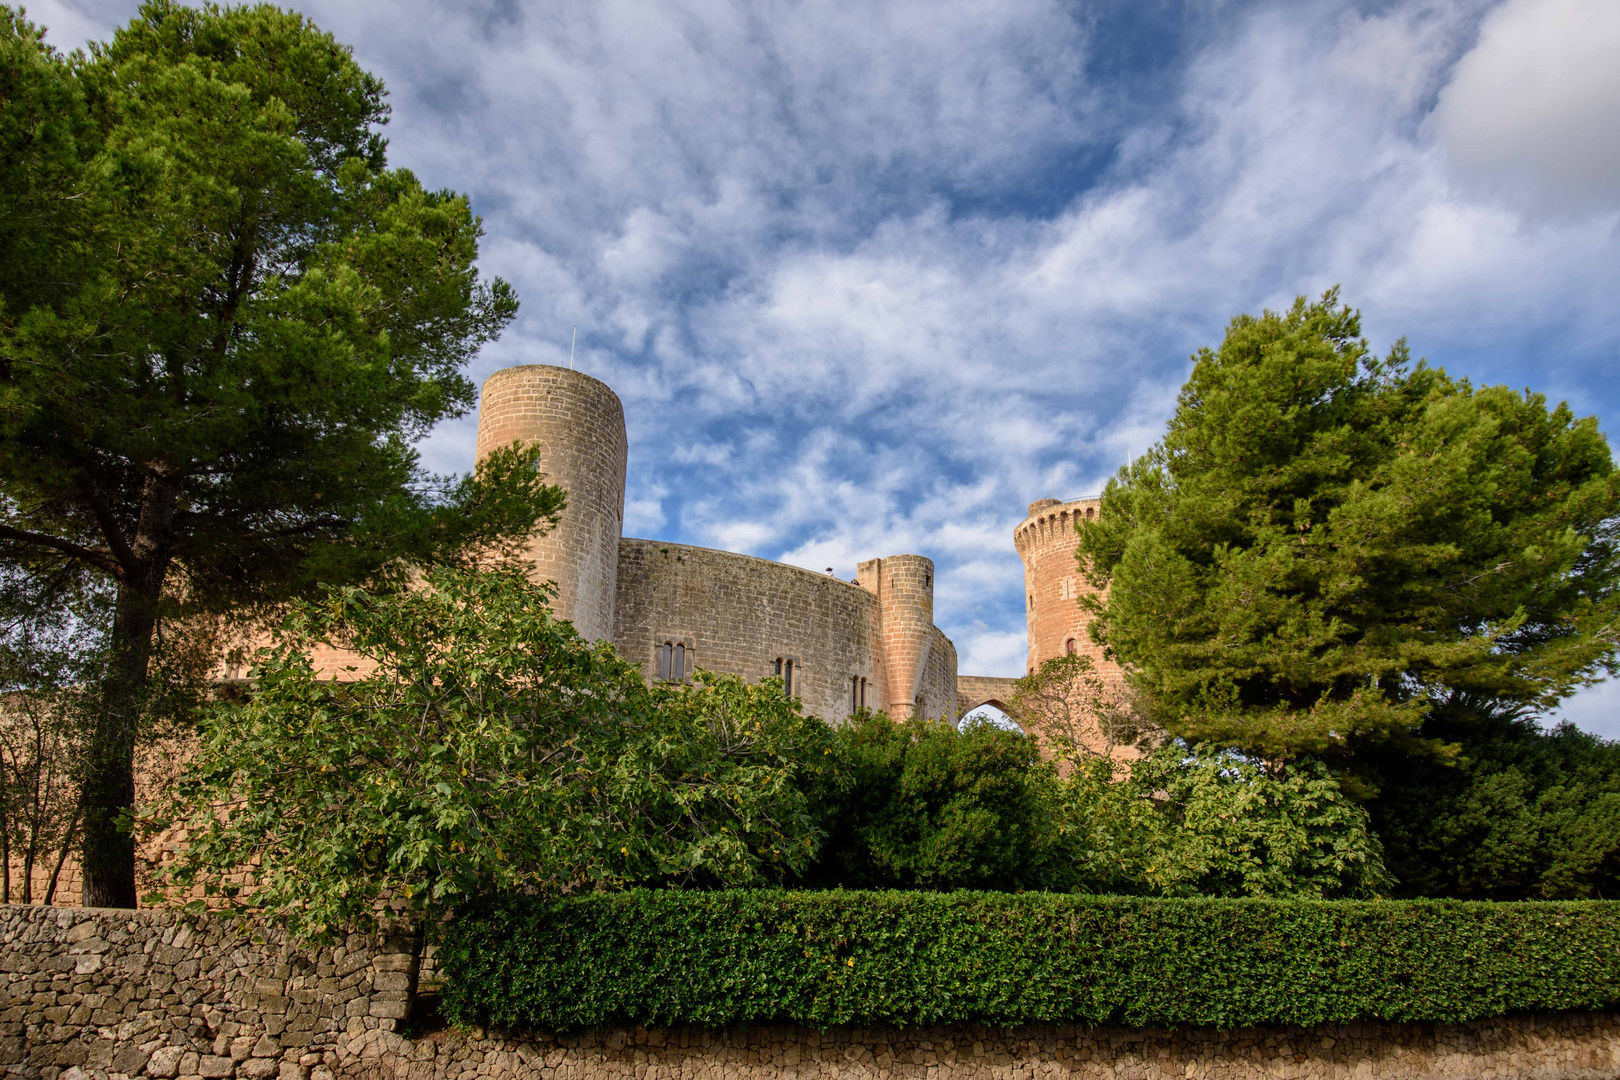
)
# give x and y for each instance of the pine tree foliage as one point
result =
(223, 320)
(1327, 541)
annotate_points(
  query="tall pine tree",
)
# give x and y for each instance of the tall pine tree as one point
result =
(1326, 541)
(223, 321)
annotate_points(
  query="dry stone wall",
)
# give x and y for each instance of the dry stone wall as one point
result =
(91, 994)
(94, 994)
(1528, 1048)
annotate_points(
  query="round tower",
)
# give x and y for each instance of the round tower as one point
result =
(578, 423)
(904, 586)
(1053, 585)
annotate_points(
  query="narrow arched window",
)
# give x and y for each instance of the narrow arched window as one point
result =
(863, 693)
(1068, 646)
(671, 661)
(787, 678)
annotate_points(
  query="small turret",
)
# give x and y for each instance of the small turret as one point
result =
(904, 587)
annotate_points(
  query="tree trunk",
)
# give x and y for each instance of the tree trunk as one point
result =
(108, 862)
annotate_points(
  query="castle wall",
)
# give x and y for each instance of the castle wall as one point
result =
(578, 423)
(1053, 584)
(935, 697)
(738, 614)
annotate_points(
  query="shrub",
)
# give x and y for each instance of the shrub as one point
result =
(1204, 822)
(830, 958)
(1520, 813)
(920, 805)
(491, 749)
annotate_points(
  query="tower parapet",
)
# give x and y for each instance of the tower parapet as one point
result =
(578, 424)
(1053, 584)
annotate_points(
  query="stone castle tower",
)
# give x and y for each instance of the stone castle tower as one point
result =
(671, 608)
(1053, 584)
(578, 424)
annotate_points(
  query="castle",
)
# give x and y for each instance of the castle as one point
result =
(671, 608)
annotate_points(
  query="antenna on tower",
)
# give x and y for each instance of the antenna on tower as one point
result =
(571, 349)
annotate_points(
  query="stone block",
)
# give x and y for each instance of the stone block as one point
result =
(165, 1061)
(215, 1067)
(259, 1068)
(391, 980)
(129, 1060)
(390, 1010)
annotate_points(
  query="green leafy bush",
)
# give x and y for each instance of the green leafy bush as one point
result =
(1203, 822)
(920, 805)
(830, 958)
(1520, 813)
(491, 748)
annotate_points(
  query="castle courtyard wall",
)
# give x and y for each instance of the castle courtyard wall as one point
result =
(738, 614)
(93, 994)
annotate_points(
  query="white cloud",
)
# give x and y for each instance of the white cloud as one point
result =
(864, 290)
(1532, 113)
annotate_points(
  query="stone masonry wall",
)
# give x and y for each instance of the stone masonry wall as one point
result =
(936, 689)
(96, 994)
(111, 995)
(738, 614)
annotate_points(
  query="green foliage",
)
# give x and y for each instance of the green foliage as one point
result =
(1076, 714)
(1202, 822)
(1324, 541)
(920, 805)
(831, 958)
(1520, 813)
(491, 748)
(223, 320)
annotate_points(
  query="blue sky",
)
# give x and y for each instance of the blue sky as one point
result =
(871, 277)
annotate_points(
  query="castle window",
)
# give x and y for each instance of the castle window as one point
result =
(784, 671)
(1068, 646)
(671, 661)
(863, 693)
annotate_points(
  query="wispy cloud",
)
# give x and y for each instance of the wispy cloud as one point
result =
(871, 277)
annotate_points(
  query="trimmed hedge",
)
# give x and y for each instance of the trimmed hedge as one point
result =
(830, 958)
